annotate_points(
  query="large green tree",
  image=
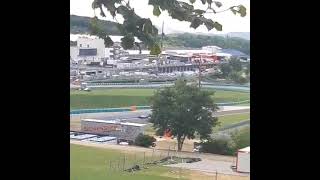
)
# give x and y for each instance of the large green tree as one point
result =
(143, 29)
(235, 64)
(185, 110)
(225, 69)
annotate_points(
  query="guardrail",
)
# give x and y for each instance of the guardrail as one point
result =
(235, 125)
(167, 82)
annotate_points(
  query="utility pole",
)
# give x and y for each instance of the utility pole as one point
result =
(162, 34)
(200, 72)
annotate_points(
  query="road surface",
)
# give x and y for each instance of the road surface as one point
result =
(133, 116)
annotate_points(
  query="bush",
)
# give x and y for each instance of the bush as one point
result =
(144, 140)
(220, 145)
(227, 145)
(241, 138)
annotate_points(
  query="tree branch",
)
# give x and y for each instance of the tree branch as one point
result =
(220, 11)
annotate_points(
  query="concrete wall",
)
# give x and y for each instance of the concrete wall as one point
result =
(243, 162)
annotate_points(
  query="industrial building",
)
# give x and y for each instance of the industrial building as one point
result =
(122, 130)
(86, 49)
(243, 160)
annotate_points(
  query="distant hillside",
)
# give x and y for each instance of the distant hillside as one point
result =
(244, 35)
(80, 25)
(188, 40)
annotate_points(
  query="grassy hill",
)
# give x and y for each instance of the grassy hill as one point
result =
(80, 25)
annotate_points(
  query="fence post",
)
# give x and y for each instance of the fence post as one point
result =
(152, 155)
(216, 175)
(144, 158)
(124, 161)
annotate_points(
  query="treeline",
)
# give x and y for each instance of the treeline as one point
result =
(80, 25)
(198, 41)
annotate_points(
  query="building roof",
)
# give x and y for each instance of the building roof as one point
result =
(137, 51)
(101, 139)
(224, 54)
(247, 149)
(185, 52)
(216, 47)
(234, 52)
(74, 37)
(113, 122)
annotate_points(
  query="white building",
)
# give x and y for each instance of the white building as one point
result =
(243, 160)
(212, 49)
(87, 49)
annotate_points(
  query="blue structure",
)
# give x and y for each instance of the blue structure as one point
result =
(235, 53)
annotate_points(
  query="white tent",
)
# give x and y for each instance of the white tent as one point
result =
(243, 160)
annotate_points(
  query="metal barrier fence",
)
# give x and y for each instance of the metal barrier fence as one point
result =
(235, 125)
(128, 163)
(125, 109)
(99, 110)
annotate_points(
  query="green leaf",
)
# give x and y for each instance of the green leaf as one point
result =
(108, 41)
(147, 27)
(209, 24)
(155, 50)
(127, 42)
(199, 11)
(95, 5)
(203, 1)
(192, 1)
(195, 23)
(186, 6)
(242, 10)
(156, 11)
(101, 12)
(217, 26)
(153, 2)
(217, 3)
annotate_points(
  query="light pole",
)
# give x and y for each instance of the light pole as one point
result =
(200, 71)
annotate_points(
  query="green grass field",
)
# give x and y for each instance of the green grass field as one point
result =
(232, 119)
(224, 121)
(88, 163)
(107, 98)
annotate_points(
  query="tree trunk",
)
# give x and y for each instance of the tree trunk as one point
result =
(180, 142)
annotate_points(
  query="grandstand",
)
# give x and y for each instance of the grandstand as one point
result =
(103, 139)
(122, 130)
(80, 136)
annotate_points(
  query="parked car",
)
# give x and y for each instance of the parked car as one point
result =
(124, 143)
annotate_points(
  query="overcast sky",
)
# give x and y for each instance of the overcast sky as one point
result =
(230, 22)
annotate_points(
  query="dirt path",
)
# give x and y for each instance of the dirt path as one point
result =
(149, 151)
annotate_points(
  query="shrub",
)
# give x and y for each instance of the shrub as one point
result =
(144, 140)
(241, 138)
(227, 144)
(219, 145)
